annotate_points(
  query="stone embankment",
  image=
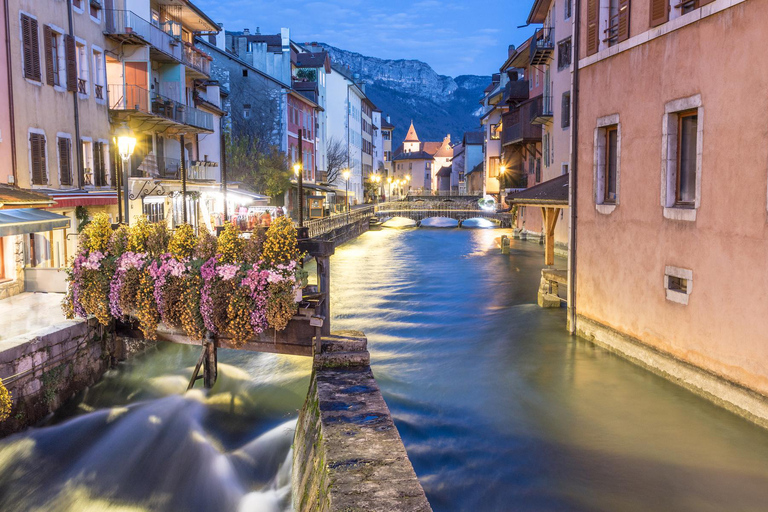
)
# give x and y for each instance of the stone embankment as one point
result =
(348, 455)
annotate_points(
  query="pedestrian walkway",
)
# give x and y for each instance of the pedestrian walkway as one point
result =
(29, 312)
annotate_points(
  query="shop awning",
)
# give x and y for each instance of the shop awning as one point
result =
(314, 186)
(71, 199)
(13, 197)
(30, 220)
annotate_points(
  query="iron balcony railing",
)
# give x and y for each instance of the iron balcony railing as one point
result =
(129, 24)
(133, 97)
(82, 86)
(320, 227)
(98, 91)
(158, 167)
(542, 46)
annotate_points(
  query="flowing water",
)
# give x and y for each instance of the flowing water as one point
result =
(499, 409)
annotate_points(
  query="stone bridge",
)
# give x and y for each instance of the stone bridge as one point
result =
(459, 212)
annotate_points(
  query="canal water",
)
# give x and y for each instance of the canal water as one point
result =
(499, 409)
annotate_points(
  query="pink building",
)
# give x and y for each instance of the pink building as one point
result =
(672, 229)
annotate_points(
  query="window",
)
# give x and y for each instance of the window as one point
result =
(65, 161)
(98, 74)
(496, 131)
(564, 54)
(687, 128)
(86, 149)
(611, 163)
(545, 149)
(493, 167)
(245, 73)
(82, 69)
(77, 4)
(54, 56)
(154, 211)
(681, 158)
(100, 158)
(565, 111)
(386, 135)
(30, 48)
(95, 10)
(607, 163)
(37, 163)
(568, 7)
(678, 284)
(538, 170)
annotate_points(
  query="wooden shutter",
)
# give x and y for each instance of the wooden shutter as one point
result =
(71, 53)
(659, 12)
(37, 146)
(30, 48)
(593, 29)
(99, 171)
(623, 25)
(49, 65)
(65, 160)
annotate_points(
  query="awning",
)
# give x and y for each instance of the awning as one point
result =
(71, 199)
(30, 220)
(552, 193)
(13, 197)
(313, 186)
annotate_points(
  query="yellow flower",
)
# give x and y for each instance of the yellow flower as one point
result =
(230, 245)
(137, 239)
(5, 402)
(96, 234)
(183, 242)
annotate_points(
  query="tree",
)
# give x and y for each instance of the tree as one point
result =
(336, 158)
(265, 171)
(310, 75)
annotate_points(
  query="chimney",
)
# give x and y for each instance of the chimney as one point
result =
(258, 31)
(510, 50)
(221, 38)
(390, 122)
(246, 32)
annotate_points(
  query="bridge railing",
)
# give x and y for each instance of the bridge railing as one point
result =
(397, 206)
(320, 227)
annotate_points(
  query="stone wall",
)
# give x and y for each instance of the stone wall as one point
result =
(349, 232)
(348, 455)
(45, 370)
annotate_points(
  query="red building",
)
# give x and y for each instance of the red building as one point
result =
(302, 115)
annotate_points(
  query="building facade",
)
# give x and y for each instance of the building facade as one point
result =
(657, 137)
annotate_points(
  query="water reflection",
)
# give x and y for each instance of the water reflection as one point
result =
(501, 410)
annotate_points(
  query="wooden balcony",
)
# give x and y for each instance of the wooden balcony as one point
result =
(516, 91)
(129, 28)
(541, 110)
(517, 127)
(141, 107)
(542, 46)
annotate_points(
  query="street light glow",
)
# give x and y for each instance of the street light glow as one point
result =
(345, 174)
(296, 168)
(126, 142)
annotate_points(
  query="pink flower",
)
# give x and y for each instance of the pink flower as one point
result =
(227, 272)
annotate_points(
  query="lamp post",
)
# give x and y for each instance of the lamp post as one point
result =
(389, 183)
(126, 143)
(502, 171)
(345, 175)
(299, 170)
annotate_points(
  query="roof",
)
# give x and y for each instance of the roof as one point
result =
(474, 138)
(445, 150)
(411, 136)
(477, 168)
(216, 50)
(520, 50)
(414, 155)
(13, 196)
(431, 147)
(274, 42)
(22, 221)
(386, 125)
(311, 60)
(553, 192)
(445, 172)
(538, 11)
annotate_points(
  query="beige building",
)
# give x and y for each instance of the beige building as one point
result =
(61, 124)
(417, 163)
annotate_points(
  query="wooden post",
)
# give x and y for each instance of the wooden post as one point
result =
(550, 221)
(324, 287)
(210, 368)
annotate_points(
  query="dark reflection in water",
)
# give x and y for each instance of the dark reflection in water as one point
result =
(499, 409)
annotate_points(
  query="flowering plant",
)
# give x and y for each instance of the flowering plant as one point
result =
(228, 286)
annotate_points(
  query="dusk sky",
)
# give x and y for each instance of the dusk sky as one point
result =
(454, 37)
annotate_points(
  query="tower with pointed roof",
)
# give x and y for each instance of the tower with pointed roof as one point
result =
(411, 144)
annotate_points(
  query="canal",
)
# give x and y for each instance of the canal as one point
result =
(498, 407)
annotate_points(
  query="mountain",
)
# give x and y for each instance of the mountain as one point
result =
(409, 90)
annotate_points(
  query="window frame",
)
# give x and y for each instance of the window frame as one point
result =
(679, 202)
(604, 126)
(670, 158)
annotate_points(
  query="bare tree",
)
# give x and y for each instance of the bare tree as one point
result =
(337, 158)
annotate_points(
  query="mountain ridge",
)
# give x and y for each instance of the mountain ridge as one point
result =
(409, 89)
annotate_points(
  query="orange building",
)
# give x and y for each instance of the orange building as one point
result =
(672, 206)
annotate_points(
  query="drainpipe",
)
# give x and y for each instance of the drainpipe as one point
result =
(10, 93)
(78, 142)
(574, 170)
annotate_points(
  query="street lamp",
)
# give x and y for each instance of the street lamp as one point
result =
(502, 171)
(297, 170)
(389, 182)
(126, 143)
(345, 175)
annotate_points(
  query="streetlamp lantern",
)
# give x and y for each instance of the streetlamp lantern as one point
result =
(126, 143)
(345, 174)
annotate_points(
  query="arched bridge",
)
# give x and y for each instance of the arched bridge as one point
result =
(419, 211)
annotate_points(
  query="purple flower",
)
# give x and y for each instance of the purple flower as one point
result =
(227, 272)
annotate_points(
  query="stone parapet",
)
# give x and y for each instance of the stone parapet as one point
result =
(348, 455)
